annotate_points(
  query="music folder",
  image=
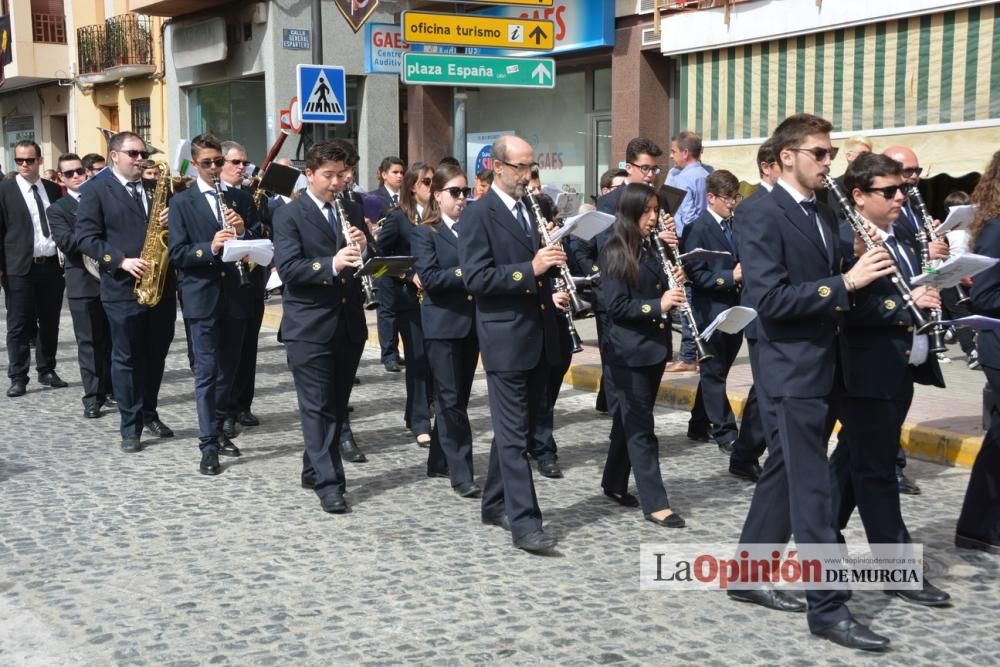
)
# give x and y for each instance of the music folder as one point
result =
(279, 179)
(376, 267)
(671, 198)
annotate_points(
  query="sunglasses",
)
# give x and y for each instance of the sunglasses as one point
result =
(819, 154)
(239, 163)
(26, 160)
(647, 169)
(425, 181)
(70, 173)
(208, 164)
(912, 171)
(134, 154)
(457, 192)
(889, 192)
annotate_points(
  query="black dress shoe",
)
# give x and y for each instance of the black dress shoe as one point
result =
(747, 470)
(229, 427)
(770, 598)
(17, 388)
(550, 468)
(333, 503)
(159, 429)
(210, 463)
(401, 361)
(110, 401)
(227, 448)
(247, 418)
(623, 499)
(50, 379)
(357, 380)
(350, 408)
(966, 542)
(438, 473)
(726, 448)
(131, 444)
(349, 452)
(699, 436)
(536, 542)
(852, 634)
(929, 596)
(92, 412)
(502, 521)
(907, 486)
(468, 490)
(674, 520)
(392, 366)
(308, 482)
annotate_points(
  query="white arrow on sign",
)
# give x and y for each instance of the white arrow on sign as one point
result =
(540, 73)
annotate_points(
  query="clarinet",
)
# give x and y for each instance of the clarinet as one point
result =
(371, 302)
(241, 267)
(899, 282)
(564, 283)
(924, 237)
(668, 265)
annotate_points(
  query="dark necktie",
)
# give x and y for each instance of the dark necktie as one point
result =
(809, 205)
(519, 207)
(43, 221)
(912, 218)
(727, 229)
(331, 218)
(901, 260)
(395, 200)
(133, 190)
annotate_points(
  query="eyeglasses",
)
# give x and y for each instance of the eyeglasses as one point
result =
(239, 163)
(70, 173)
(818, 153)
(647, 169)
(520, 167)
(134, 154)
(457, 192)
(732, 199)
(208, 164)
(889, 191)
(909, 172)
(425, 181)
(26, 160)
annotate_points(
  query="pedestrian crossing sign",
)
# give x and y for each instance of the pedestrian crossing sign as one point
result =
(323, 93)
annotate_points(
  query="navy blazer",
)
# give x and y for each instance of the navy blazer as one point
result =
(448, 310)
(399, 293)
(203, 278)
(314, 301)
(799, 295)
(17, 234)
(635, 334)
(62, 222)
(515, 317)
(985, 292)
(713, 287)
(110, 227)
(739, 233)
(904, 229)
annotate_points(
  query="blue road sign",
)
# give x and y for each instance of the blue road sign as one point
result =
(322, 93)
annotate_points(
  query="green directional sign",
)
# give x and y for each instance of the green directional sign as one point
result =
(437, 69)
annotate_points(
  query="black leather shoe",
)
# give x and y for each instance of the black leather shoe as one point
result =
(699, 436)
(438, 473)
(401, 361)
(50, 379)
(210, 463)
(929, 596)
(536, 542)
(907, 486)
(502, 521)
(247, 418)
(357, 380)
(229, 427)
(966, 542)
(770, 598)
(159, 429)
(333, 503)
(747, 470)
(17, 388)
(392, 366)
(726, 448)
(468, 490)
(308, 482)
(852, 634)
(110, 401)
(674, 520)
(350, 408)
(92, 412)
(623, 499)
(349, 452)
(550, 469)
(131, 444)
(227, 448)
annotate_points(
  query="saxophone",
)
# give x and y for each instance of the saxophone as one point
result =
(149, 288)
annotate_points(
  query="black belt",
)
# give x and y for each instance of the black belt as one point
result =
(45, 260)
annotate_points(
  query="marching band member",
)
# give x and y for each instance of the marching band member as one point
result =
(390, 176)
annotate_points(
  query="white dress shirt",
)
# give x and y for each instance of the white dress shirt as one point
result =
(141, 190)
(799, 198)
(43, 246)
(450, 223)
(921, 345)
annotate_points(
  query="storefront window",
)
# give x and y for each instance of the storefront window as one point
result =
(17, 128)
(232, 110)
(602, 89)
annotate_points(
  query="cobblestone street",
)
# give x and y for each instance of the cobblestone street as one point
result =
(108, 558)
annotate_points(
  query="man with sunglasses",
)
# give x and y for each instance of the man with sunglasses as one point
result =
(29, 271)
(111, 227)
(83, 291)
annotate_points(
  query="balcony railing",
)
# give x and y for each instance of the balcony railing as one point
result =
(122, 41)
(48, 28)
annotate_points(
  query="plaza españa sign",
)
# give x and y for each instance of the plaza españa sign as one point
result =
(478, 30)
(435, 69)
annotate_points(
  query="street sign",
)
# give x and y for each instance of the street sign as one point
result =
(527, 3)
(435, 69)
(323, 91)
(478, 30)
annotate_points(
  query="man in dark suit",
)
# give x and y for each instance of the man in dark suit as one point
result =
(791, 265)
(390, 176)
(506, 269)
(112, 224)
(29, 271)
(323, 324)
(715, 287)
(83, 291)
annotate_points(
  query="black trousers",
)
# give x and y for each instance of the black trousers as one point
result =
(388, 332)
(634, 446)
(751, 441)
(216, 344)
(93, 348)
(711, 401)
(980, 517)
(140, 340)
(324, 376)
(33, 303)
(246, 373)
(418, 402)
(953, 310)
(453, 365)
(515, 398)
(543, 447)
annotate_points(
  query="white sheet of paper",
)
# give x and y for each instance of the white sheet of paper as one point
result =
(702, 255)
(273, 282)
(730, 321)
(585, 226)
(959, 217)
(952, 270)
(260, 251)
(980, 322)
